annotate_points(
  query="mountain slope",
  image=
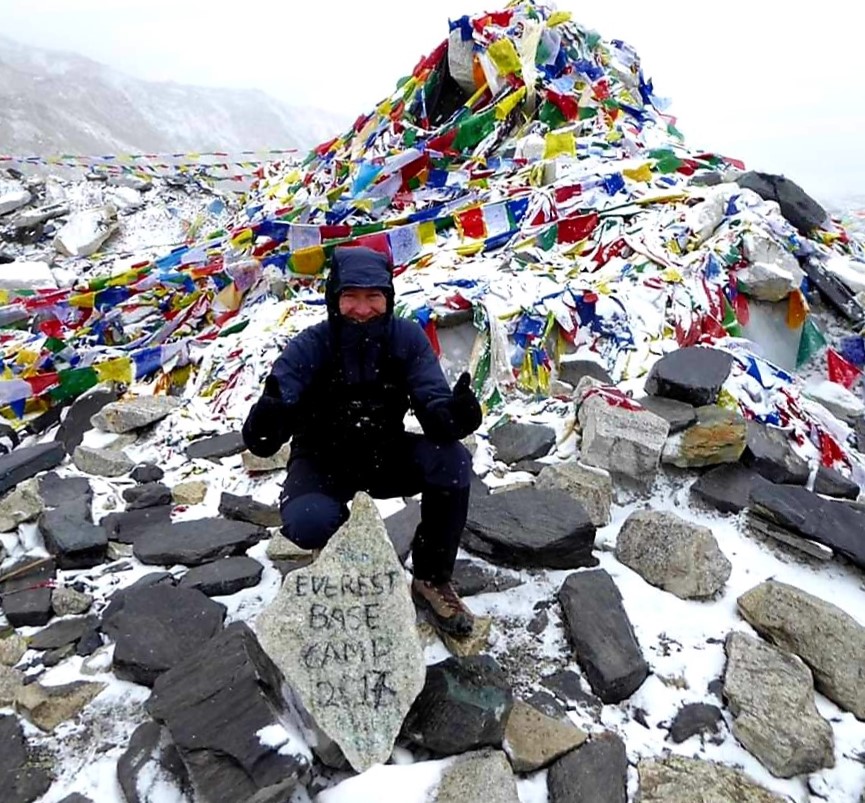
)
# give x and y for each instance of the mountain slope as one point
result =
(53, 102)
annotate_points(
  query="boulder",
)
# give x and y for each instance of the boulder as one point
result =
(515, 441)
(693, 375)
(830, 482)
(14, 198)
(800, 209)
(342, 630)
(262, 465)
(102, 462)
(826, 638)
(49, 706)
(131, 414)
(484, 775)
(771, 455)
(27, 461)
(66, 601)
(196, 541)
(245, 508)
(673, 554)
(230, 679)
(149, 763)
(530, 527)
(57, 491)
(678, 779)
(464, 705)
(591, 487)
(77, 421)
(597, 772)
(20, 505)
(718, 436)
(156, 627)
(21, 779)
(72, 539)
(601, 635)
(63, 632)
(26, 595)
(771, 697)
(191, 492)
(727, 488)
(127, 527)
(402, 526)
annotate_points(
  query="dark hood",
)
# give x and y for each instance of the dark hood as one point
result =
(357, 267)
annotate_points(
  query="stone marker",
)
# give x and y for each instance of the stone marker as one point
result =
(342, 631)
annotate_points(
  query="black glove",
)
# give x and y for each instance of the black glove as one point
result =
(268, 424)
(465, 408)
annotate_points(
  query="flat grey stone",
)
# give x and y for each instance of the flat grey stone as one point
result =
(572, 371)
(63, 632)
(469, 579)
(678, 779)
(679, 415)
(66, 601)
(27, 461)
(75, 542)
(102, 462)
(223, 577)
(515, 441)
(342, 631)
(128, 526)
(26, 598)
(601, 635)
(533, 740)
(591, 487)
(229, 679)
(131, 414)
(566, 685)
(22, 781)
(464, 706)
(597, 772)
(147, 472)
(216, 447)
(245, 508)
(59, 491)
(148, 494)
(149, 761)
(771, 455)
(771, 696)
(693, 375)
(19, 505)
(197, 541)
(157, 627)
(727, 488)
(830, 482)
(530, 527)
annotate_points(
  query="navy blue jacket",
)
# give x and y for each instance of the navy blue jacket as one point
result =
(346, 387)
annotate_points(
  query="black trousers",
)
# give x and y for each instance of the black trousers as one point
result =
(316, 490)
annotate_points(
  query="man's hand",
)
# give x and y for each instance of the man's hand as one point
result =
(465, 408)
(267, 426)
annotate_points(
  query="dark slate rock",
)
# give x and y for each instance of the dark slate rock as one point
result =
(231, 443)
(679, 415)
(464, 705)
(567, 687)
(75, 798)
(77, 421)
(20, 782)
(533, 467)
(89, 643)
(63, 632)
(469, 578)
(401, 527)
(770, 454)
(572, 371)
(530, 527)
(833, 483)
(601, 634)
(9, 439)
(695, 718)
(149, 754)
(53, 657)
(833, 524)
(834, 292)
(596, 772)
(285, 567)
(859, 427)
(44, 422)
(693, 375)
(147, 472)
(127, 527)
(230, 679)
(74, 541)
(800, 209)
(156, 628)
(26, 598)
(192, 543)
(148, 494)
(515, 441)
(728, 488)
(224, 577)
(245, 508)
(27, 461)
(59, 491)
(544, 702)
(115, 604)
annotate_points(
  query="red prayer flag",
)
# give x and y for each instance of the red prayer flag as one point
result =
(472, 223)
(840, 371)
(574, 229)
(566, 104)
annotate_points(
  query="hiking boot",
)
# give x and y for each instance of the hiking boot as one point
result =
(445, 606)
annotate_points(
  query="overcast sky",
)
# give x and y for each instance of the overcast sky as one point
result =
(783, 90)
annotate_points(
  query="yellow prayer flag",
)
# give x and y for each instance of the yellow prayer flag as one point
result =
(506, 106)
(672, 275)
(384, 108)
(82, 300)
(119, 370)
(559, 143)
(641, 173)
(558, 17)
(427, 232)
(26, 357)
(229, 298)
(243, 237)
(504, 55)
(4, 296)
(308, 261)
(470, 250)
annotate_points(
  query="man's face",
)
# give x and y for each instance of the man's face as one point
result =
(361, 304)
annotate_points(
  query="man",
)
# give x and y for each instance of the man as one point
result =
(340, 391)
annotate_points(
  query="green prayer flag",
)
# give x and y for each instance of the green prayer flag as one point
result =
(811, 341)
(473, 129)
(551, 114)
(73, 382)
(548, 238)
